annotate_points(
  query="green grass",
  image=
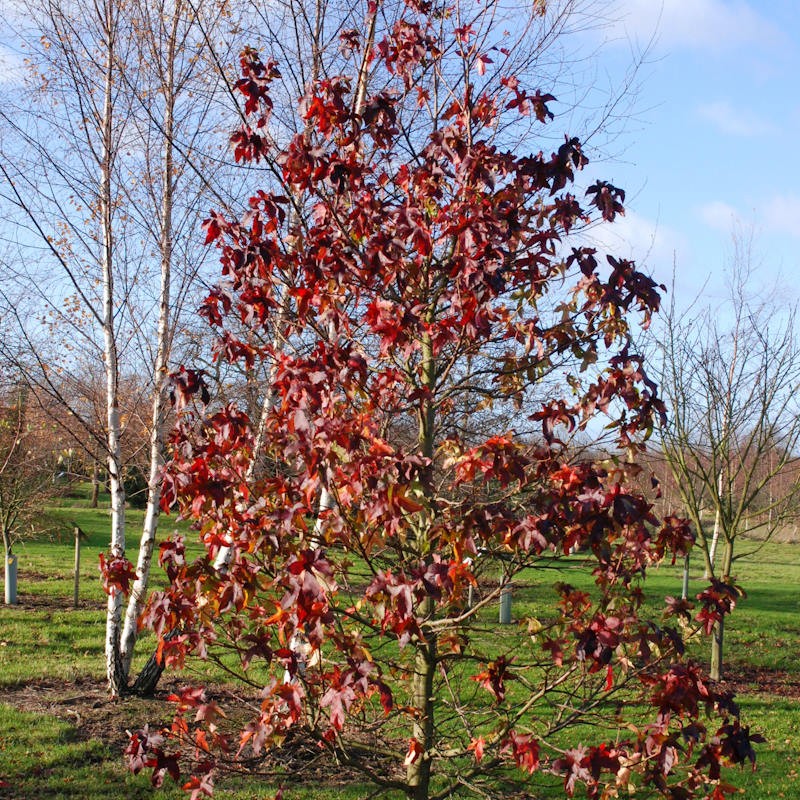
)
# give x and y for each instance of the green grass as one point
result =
(63, 645)
(48, 755)
(44, 757)
(778, 768)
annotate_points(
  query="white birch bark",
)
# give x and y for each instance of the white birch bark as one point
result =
(225, 553)
(110, 353)
(138, 594)
(712, 551)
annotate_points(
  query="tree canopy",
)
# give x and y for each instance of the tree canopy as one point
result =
(409, 265)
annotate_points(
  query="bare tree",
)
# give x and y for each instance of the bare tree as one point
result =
(29, 456)
(731, 377)
(109, 187)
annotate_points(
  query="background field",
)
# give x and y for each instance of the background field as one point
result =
(61, 738)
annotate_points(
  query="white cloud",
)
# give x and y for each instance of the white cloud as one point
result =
(706, 24)
(720, 216)
(778, 214)
(650, 244)
(781, 214)
(735, 121)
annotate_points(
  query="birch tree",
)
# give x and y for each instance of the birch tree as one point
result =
(107, 189)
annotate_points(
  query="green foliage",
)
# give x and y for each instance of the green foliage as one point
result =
(136, 484)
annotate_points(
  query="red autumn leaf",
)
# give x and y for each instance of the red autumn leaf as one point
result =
(117, 574)
(495, 675)
(524, 749)
(477, 746)
(199, 787)
(480, 63)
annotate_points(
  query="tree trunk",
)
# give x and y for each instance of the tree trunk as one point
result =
(717, 637)
(95, 485)
(150, 674)
(712, 551)
(139, 589)
(148, 678)
(114, 671)
(225, 553)
(718, 632)
(418, 774)
(9, 570)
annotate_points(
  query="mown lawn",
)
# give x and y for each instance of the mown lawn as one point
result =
(60, 738)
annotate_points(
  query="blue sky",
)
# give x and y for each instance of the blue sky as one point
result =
(713, 143)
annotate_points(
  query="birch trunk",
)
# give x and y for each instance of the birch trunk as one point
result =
(114, 673)
(326, 501)
(712, 551)
(138, 594)
(225, 553)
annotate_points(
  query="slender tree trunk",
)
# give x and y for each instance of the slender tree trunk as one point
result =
(114, 672)
(717, 638)
(326, 500)
(139, 589)
(150, 674)
(9, 569)
(718, 632)
(225, 553)
(418, 774)
(712, 551)
(6, 539)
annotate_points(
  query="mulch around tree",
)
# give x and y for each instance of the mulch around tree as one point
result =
(86, 705)
(744, 680)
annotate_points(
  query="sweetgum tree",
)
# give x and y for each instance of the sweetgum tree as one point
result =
(410, 265)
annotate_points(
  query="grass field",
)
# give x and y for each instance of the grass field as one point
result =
(60, 738)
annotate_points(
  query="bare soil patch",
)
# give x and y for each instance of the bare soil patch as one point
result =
(85, 704)
(46, 602)
(744, 679)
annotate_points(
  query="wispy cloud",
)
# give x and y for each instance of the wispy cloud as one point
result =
(736, 121)
(720, 216)
(708, 24)
(777, 214)
(650, 244)
(781, 214)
